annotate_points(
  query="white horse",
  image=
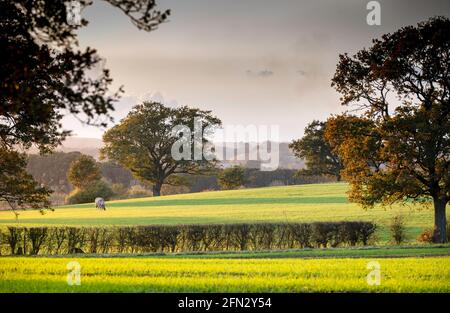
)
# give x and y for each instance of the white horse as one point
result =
(100, 203)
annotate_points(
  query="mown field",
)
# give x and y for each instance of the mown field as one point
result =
(304, 203)
(156, 274)
(413, 268)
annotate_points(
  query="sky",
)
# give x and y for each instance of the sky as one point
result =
(252, 62)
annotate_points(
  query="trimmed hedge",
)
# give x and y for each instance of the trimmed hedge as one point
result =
(183, 238)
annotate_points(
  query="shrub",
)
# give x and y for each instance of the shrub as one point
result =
(398, 230)
(119, 191)
(365, 232)
(137, 191)
(186, 238)
(301, 234)
(13, 238)
(76, 238)
(232, 178)
(96, 189)
(426, 236)
(37, 237)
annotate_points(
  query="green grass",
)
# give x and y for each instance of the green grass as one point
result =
(352, 252)
(303, 203)
(153, 274)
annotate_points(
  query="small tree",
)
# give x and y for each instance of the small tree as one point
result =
(317, 152)
(398, 231)
(83, 171)
(232, 178)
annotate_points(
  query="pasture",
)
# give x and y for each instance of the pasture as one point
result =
(413, 268)
(302, 203)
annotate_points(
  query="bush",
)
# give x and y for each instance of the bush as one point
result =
(86, 195)
(232, 178)
(137, 191)
(426, 236)
(185, 238)
(398, 229)
(119, 191)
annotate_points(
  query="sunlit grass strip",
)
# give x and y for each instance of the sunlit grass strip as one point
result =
(224, 275)
(303, 203)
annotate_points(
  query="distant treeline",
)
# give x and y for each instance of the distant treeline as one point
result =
(183, 238)
(51, 170)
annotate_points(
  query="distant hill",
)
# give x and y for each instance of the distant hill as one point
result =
(91, 146)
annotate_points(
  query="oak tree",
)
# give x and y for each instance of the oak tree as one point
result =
(398, 149)
(143, 142)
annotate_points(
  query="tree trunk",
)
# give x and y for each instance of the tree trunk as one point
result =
(440, 220)
(157, 189)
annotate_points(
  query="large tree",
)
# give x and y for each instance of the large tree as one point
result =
(317, 152)
(398, 149)
(44, 75)
(143, 142)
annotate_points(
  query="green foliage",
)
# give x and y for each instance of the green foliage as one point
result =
(89, 192)
(398, 230)
(44, 74)
(397, 151)
(143, 142)
(189, 238)
(317, 152)
(119, 191)
(51, 169)
(17, 187)
(83, 172)
(232, 178)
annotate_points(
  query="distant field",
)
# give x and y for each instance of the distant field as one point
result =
(318, 202)
(153, 274)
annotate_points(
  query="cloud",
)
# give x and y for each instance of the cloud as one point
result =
(260, 73)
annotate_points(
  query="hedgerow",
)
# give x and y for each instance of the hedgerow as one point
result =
(183, 238)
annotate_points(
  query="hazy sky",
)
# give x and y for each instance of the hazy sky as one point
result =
(250, 61)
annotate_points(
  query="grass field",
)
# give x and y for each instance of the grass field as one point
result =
(152, 274)
(318, 202)
(412, 268)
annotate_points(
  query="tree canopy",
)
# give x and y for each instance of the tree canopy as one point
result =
(17, 187)
(83, 171)
(143, 142)
(45, 75)
(317, 152)
(232, 177)
(398, 148)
